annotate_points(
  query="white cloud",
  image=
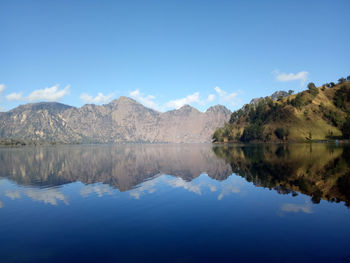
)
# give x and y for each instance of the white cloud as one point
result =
(48, 94)
(99, 189)
(179, 182)
(212, 188)
(230, 98)
(227, 190)
(146, 187)
(306, 208)
(186, 100)
(302, 76)
(50, 196)
(14, 96)
(13, 194)
(2, 88)
(211, 97)
(100, 98)
(147, 100)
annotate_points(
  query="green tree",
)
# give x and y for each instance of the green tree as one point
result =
(341, 80)
(346, 128)
(290, 92)
(218, 135)
(282, 133)
(312, 89)
(236, 115)
(311, 85)
(297, 101)
(310, 136)
(252, 132)
(341, 96)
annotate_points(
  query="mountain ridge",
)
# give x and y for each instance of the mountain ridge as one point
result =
(122, 120)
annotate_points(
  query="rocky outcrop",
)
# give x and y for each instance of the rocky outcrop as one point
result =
(122, 120)
(275, 96)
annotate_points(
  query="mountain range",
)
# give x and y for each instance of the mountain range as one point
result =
(120, 121)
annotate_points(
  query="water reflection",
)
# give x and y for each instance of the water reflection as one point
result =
(165, 203)
(295, 208)
(318, 170)
(120, 166)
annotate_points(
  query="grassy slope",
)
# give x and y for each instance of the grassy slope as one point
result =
(301, 121)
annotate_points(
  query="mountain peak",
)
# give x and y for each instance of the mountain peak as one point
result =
(123, 99)
(275, 96)
(218, 108)
(280, 93)
(53, 106)
(187, 108)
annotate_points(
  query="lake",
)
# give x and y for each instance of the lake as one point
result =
(175, 203)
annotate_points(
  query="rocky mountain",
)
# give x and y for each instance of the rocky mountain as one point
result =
(122, 120)
(275, 96)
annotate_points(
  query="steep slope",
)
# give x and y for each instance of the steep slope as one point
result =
(190, 125)
(39, 121)
(122, 120)
(315, 114)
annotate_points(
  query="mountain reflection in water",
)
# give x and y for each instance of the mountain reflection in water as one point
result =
(175, 203)
(318, 170)
(120, 166)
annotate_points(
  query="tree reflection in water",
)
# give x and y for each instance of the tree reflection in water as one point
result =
(318, 170)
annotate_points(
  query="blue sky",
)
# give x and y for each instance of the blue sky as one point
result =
(168, 53)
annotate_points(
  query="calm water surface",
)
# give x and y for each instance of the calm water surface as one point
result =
(175, 203)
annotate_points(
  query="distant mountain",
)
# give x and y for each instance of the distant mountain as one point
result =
(275, 96)
(321, 113)
(122, 120)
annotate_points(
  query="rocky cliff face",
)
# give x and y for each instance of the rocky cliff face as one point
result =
(122, 120)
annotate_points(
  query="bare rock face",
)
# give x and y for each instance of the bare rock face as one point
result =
(122, 120)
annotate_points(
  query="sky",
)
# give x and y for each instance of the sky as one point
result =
(166, 54)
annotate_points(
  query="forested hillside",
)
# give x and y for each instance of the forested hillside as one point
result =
(318, 113)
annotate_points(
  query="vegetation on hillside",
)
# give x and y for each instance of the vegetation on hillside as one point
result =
(318, 113)
(321, 171)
